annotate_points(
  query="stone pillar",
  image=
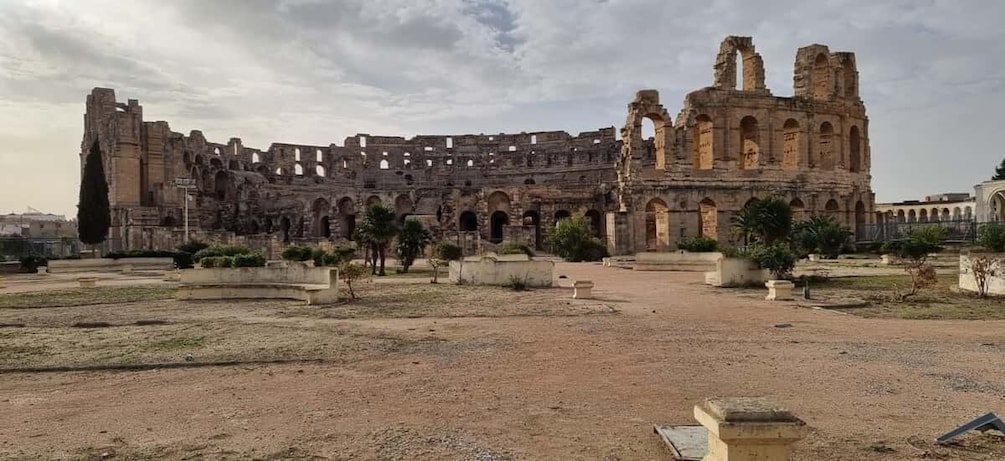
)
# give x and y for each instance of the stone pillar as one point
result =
(619, 233)
(748, 429)
(582, 289)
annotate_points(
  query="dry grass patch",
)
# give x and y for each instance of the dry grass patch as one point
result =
(935, 303)
(84, 297)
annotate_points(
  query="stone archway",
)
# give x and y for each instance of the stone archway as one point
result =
(497, 223)
(708, 215)
(657, 225)
(532, 219)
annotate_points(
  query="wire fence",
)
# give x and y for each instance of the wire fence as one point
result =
(958, 231)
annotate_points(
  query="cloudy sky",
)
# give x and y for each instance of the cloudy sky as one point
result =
(313, 71)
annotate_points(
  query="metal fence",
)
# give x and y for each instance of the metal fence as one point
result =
(958, 231)
(12, 248)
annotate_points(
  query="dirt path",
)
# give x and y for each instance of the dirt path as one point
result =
(542, 387)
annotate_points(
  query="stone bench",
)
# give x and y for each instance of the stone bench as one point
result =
(87, 282)
(314, 285)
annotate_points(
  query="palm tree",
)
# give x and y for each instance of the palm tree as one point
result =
(378, 229)
(768, 220)
(412, 240)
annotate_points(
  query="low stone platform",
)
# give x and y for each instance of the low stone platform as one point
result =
(314, 285)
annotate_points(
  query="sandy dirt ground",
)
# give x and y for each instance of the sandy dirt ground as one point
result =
(485, 374)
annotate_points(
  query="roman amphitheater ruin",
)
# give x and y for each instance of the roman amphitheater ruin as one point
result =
(730, 142)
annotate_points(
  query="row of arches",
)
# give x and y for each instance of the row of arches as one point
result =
(794, 142)
(933, 215)
(657, 219)
(467, 221)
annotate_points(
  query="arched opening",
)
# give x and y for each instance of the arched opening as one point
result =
(347, 217)
(653, 133)
(750, 140)
(216, 163)
(825, 147)
(252, 227)
(657, 225)
(934, 216)
(596, 223)
(468, 222)
(234, 165)
(326, 227)
(319, 171)
(957, 214)
(384, 164)
(221, 185)
(859, 219)
(498, 222)
(532, 218)
(708, 215)
(319, 157)
(798, 210)
(199, 160)
(968, 213)
(284, 227)
(832, 209)
(255, 158)
(704, 154)
(403, 205)
(923, 216)
(528, 181)
(298, 169)
(268, 225)
(823, 86)
(912, 216)
(562, 214)
(168, 221)
(944, 216)
(320, 210)
(790, 145)
(901, 217)
(854, 150)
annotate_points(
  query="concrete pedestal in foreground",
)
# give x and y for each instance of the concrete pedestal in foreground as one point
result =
(779, 290)
(582, 289)
(748, 429)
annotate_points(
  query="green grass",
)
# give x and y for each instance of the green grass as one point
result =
(174, 344)
(84, 297)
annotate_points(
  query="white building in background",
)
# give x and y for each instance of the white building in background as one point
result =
(36, 224)
(990, 197)
(947, 207)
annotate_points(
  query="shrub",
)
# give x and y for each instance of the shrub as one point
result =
(983, 267)
(778, 259)
(517, 283)
(915, 250)
(820, 234)
(411, 242)
(297, 253)
(220, 250)
(930, 235)
(515, 249)
(449, 251)
(193, 246)
(573, 241)
(338, 256)
(30, 264)
(318, 255)
(183, 260)
(698, 244)
(992, 237)
(249, 260)
(766, 220)
(217, 261)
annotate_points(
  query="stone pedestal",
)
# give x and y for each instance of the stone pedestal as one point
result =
(748, 429)
(813, 257)
(779, 290)
(582, 289)
(887, 259)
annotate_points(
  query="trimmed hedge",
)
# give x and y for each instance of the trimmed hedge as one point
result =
(217, 261)
(297, 253)
(249, 260)
(698, 245)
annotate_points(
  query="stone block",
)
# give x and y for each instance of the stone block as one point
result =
(779, 290)
(748, 429)
(582, 289)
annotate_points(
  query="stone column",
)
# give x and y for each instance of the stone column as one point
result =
(748, 429)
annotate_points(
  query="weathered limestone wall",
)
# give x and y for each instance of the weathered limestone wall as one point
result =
(676, 261)
(730, 142)
(67, 266)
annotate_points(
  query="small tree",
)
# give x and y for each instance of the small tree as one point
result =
(93, 211)
(573, 241)
(350, 273)
(915, 250)
(777, 258)
(412, 240)
(378, 229)
(983, 267)
(820, 234)
(999, 172)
